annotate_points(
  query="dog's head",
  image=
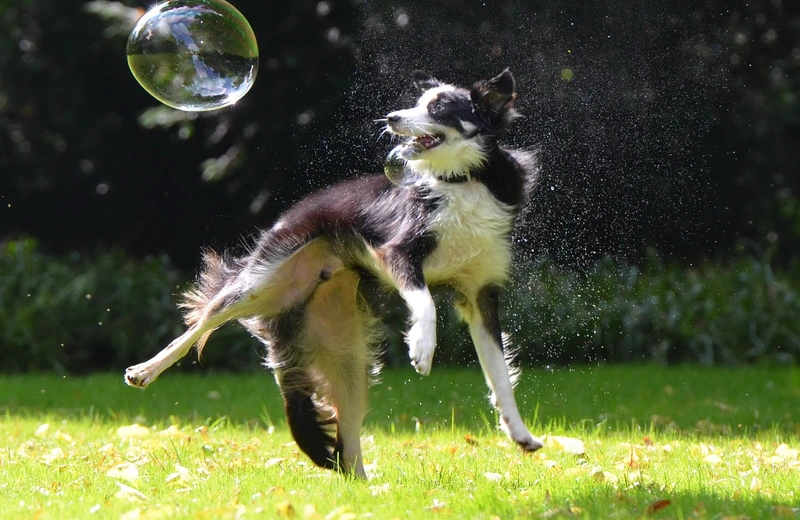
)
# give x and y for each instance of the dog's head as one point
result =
(451, 130)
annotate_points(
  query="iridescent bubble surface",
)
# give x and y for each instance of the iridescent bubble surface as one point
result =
(194, 55)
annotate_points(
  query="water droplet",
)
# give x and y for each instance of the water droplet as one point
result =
(194, 55)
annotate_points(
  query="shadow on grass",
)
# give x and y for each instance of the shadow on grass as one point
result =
(708, 401)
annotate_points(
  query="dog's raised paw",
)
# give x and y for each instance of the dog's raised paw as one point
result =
(137, 377)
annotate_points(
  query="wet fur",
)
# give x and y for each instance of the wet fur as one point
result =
(313, 283)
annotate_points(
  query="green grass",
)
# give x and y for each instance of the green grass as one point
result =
(715, 443)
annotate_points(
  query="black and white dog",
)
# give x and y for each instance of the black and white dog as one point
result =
(309, 286)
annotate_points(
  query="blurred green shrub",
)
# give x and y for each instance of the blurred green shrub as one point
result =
(105, 311)
(84, 312)
(739, 312)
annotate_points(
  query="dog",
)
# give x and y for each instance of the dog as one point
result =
(311, 286)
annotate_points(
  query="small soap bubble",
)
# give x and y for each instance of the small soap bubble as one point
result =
(194, 55)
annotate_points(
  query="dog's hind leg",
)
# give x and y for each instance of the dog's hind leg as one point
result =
(335, 336)
(145, 373)
(482, 315)
(263, 288)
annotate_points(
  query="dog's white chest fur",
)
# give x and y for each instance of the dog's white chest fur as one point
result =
(472, 230)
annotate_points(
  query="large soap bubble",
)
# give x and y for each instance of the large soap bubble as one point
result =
(194, 55)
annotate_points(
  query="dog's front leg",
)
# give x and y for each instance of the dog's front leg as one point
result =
(421, 336)
(409, 279)
(482, 315)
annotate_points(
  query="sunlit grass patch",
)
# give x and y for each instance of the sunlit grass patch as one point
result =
(622, 442)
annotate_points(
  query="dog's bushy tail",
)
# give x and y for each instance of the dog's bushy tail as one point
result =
(313, 424)
(214, 275)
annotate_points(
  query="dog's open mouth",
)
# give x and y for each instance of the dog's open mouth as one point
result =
(429, 141)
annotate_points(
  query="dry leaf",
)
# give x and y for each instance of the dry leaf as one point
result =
(566, 444)
(604, 476)
(55, 453)
(130, 493)
(173, 432)
(337, 513)
(657, 506)
(125, 471)
(285, 509)
(41, 431)
(493, 477)
(470, 440)
(785, 452)
(181, 475)
(274, 461)
(65, 437)
(713, 459)
(379, 490)
(132, 430)
(133, 514)
(310, 512)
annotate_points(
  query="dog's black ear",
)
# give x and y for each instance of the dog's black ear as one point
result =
(424, 81)
(494, 97)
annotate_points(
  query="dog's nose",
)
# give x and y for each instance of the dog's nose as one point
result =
(393, 118)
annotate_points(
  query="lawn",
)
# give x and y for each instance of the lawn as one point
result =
(621, 442)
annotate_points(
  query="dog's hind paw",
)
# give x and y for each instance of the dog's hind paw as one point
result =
(138, 376)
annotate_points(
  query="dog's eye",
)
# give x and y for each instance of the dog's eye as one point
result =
(438, 107)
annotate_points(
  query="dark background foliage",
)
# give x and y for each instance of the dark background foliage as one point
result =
(666, 126)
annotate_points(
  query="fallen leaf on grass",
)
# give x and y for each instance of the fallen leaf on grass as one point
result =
(132, 430)
(276, 490)
(274, 461)
(493, 477)
(133, 514)
(632, 460)
(285, 509)
(181, 475)
(566, 444)
(130, 493)
(713, 459)
(603, 476)
(438, 507)
(55, 453)
(785, 452)
(65, 437)
(125, 471)
(174, 432)
(41, 431)
(657, 506)
(379, 490)
(338, 513)
(470, 440)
